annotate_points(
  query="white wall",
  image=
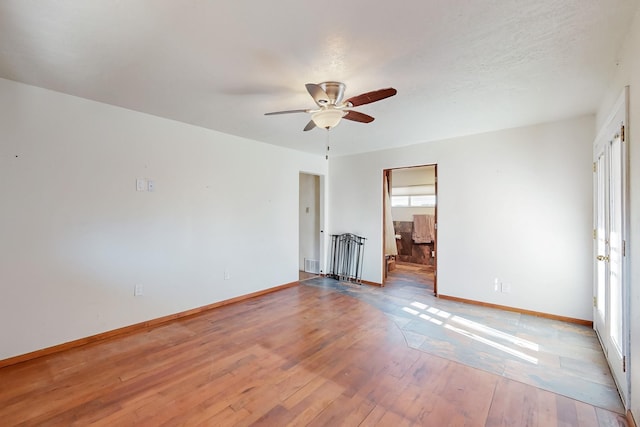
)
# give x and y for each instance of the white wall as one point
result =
(75, 236)
(309, 218)
(628, 74)
(528, 221)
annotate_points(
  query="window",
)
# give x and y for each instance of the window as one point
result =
(414, 201)
(399, 201)
(427, 201)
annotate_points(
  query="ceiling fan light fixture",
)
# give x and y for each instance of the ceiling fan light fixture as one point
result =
(329, 96)
(327, 118)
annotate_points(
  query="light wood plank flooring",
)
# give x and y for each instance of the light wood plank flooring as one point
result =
(300, 356)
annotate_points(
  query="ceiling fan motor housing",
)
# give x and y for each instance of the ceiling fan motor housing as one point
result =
(334, 90)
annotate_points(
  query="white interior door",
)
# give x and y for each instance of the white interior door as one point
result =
(611, 286)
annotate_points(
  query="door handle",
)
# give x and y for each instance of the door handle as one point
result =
(602, 258)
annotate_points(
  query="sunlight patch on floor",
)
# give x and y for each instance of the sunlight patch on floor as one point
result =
(520, 342)
(472, 326)
(494, 344)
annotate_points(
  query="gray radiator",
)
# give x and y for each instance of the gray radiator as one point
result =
(347, 253)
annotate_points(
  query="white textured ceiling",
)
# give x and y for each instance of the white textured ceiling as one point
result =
(460, 66)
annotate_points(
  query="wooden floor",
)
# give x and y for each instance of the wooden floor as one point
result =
(301, 356)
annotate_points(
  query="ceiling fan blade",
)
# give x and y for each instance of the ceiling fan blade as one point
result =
(309, 125)
(318, 94)
(358, 117)
(367, 98)
(286, 112)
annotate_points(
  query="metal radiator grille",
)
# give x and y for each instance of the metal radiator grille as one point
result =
(347, 252)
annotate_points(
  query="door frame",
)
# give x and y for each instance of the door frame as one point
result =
(320, 188)
(386, 173)
(615, 126)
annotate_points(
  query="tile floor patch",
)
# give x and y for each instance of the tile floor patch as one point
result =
(560, 357)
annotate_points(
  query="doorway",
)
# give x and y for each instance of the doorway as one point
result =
(611, 288)
(410, 231)
(309, 223)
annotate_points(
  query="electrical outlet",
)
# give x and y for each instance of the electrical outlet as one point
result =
(227, 275)
(141, 184)
(506, 288)
(138, 290)
(496, 284)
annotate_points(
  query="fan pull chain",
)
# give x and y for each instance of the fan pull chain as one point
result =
(326, 156)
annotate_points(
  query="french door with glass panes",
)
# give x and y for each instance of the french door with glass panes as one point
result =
(611, 286)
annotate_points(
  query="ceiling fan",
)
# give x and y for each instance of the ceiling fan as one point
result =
(331, 106)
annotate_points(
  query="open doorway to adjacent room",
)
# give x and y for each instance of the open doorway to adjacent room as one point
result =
(410, 225)
(310, 229)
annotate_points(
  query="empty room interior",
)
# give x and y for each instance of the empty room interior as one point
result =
(353, 213)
